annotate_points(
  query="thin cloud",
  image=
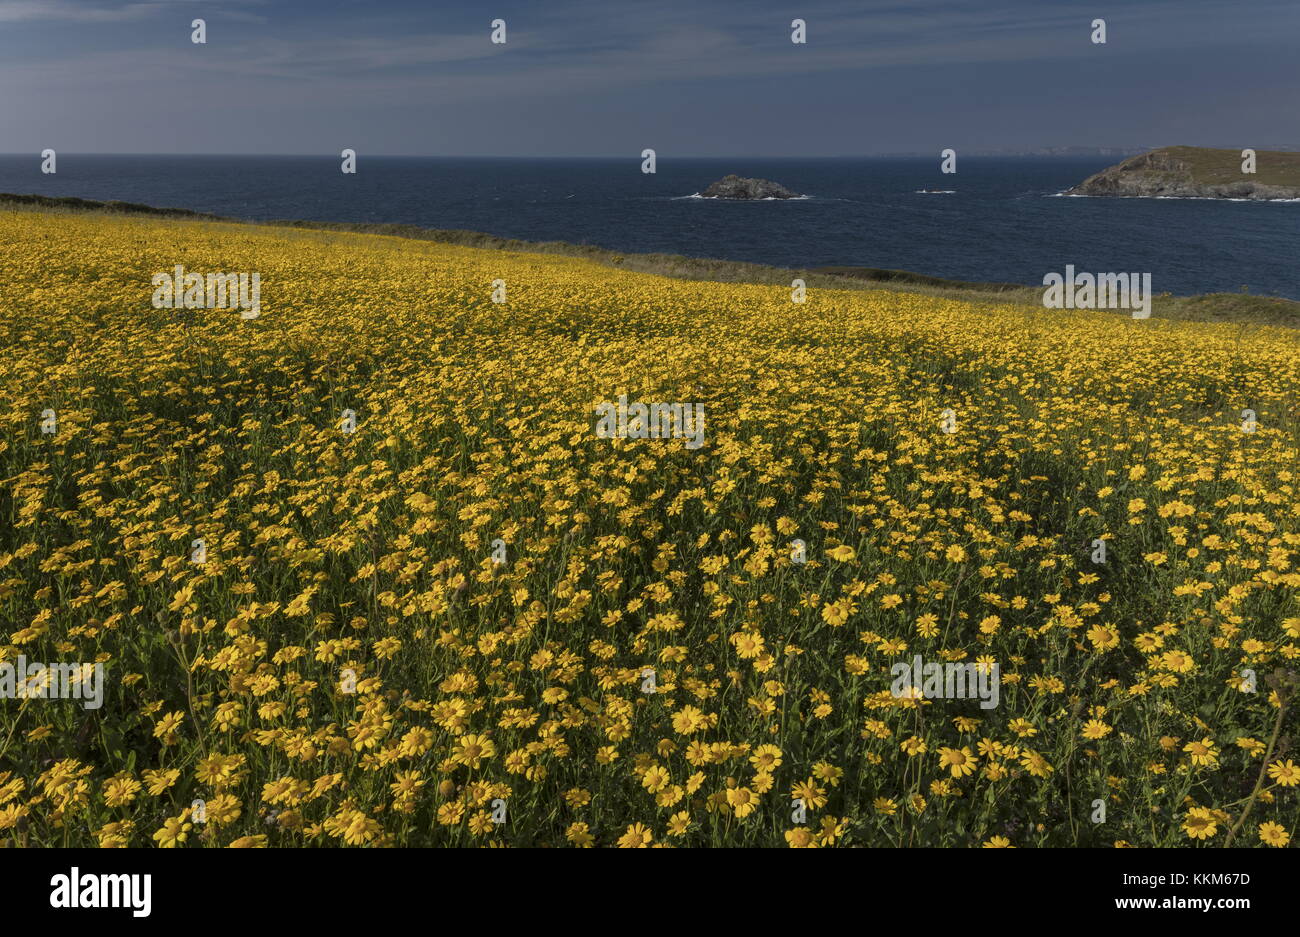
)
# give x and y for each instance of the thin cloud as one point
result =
(73, 11)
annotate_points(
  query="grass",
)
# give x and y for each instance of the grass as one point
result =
(1219, 167)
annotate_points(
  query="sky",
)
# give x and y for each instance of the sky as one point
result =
(613, 77)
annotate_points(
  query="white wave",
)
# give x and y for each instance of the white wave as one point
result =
(715, 198)
(1173, 198)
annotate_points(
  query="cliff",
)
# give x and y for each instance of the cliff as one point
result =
(1197, 172)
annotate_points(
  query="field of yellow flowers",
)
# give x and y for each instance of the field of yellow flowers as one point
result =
(350, 662)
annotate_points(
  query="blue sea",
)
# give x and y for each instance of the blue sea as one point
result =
(1002, 221)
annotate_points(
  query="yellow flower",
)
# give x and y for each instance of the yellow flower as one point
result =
(655, 779)
(636, 837)
(173, 832)
(1200, 823)
(837, 613)
(960, 761)
(1274, 834)
(800, 838)
(766, 758)
(1096, 729)
(689, 720)
(471, 750)
(579, 834)
(256, 841)
(1285, 773)
(1203, 752)
(166, 728)
(742, 801)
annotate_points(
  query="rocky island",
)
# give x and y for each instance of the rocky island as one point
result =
(1198, 172)
(735, 187)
